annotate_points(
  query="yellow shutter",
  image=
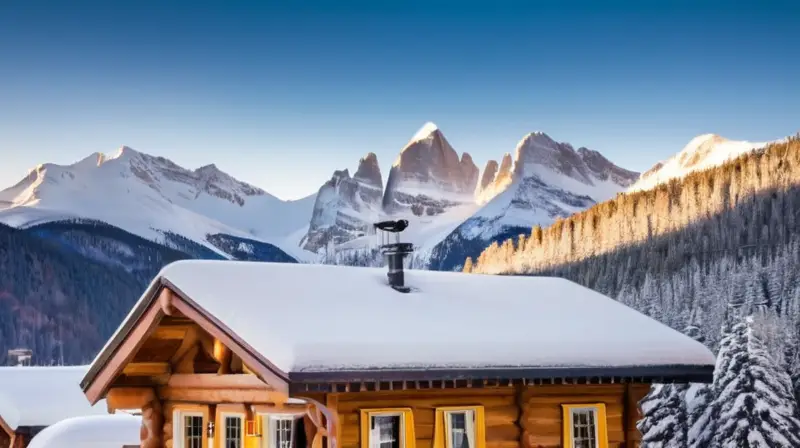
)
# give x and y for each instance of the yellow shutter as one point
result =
(440, 429)
(410, 434)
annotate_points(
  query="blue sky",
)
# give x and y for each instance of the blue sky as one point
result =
(280, 96)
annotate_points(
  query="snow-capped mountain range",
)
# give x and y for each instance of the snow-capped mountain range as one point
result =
(454, 209)
(151, 196)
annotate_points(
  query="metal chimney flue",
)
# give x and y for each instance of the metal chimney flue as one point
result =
(394, 251)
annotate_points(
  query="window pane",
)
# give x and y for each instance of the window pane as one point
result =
(193, 431)
(385, 431)
(283, 433)
(233, 432)
(459, 437)
(583, 428)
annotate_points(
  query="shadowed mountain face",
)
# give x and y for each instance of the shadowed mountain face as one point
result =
(346, 206)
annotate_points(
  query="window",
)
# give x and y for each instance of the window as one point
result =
(233, 431)
(585, 426)
(192, 431)
(460, 427)
(387, 428)
(281, 431)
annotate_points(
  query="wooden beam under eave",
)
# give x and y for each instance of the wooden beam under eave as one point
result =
(262, 367)
(165, 298)
(129, 398)
(147, 369)
(214, 381)
(223, 356)
(171, 332)
(214, 396)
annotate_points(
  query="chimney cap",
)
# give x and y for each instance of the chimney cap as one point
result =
(392, 226)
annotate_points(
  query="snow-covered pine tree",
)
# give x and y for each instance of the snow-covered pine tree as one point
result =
(663, 423)
(754, 404)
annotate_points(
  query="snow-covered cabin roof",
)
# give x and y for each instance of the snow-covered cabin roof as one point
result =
(96, 431)
(311, 320)
(42, 396)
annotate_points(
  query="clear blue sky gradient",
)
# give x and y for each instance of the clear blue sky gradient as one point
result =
(280, 96)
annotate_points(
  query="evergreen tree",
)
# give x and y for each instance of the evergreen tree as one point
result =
(663, 423)
(753, 401)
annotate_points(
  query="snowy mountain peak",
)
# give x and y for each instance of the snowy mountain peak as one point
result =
(702, 152)
(424, 132)
(124, 152)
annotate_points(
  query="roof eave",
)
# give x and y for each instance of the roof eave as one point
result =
(128, 324)
(665, 373)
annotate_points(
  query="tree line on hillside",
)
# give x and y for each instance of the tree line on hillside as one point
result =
(751, 200)
(57, 302)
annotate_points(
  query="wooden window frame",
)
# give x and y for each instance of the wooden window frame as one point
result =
(601, 422)
(407, 433)
(222, 431)
(440, 433)
(178, 427)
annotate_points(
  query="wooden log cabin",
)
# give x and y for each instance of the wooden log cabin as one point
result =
(34, 398)
(223, 354)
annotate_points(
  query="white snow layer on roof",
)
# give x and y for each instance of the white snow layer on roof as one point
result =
(96, 431)
(323, 317)
(42, 396)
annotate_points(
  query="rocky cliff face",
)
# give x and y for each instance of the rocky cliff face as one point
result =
(429, 176)
(496, 180)
(546, 180)
(346, 206)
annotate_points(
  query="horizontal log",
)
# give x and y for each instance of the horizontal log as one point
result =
(428, 402)
(167, 332)
(502, 444)
(574, 399)
(506, 432)
(146, 369)
(573, 389)
(129, 398)
(499, 416)
(213, 396)
(215, 381)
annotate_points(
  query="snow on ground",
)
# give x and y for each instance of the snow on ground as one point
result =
(28, 395)
(523, 321)
(97, 431)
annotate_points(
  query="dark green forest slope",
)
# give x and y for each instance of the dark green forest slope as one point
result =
(58, 302)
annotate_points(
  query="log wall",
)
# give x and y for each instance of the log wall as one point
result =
(516, 417)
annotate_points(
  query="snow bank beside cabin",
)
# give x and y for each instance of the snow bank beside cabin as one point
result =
(42, 396)
(322, 317)
(96, 431)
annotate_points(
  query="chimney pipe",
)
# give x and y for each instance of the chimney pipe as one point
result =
(395, 252)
